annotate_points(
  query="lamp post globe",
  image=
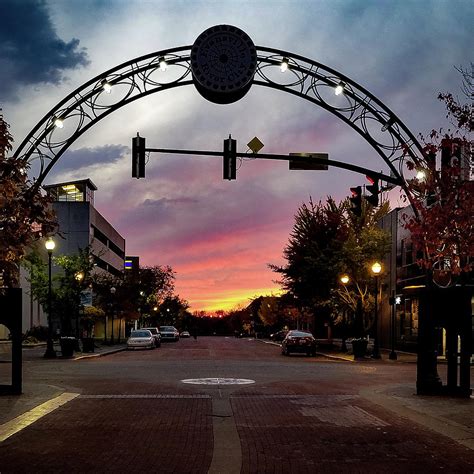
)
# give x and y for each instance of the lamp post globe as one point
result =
(345, 279)
(50, 352)
(376, 270)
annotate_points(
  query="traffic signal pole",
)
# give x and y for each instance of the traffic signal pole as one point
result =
(271, 156)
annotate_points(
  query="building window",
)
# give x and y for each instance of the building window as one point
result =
(101, 237)
(407, 253)
(70, 192)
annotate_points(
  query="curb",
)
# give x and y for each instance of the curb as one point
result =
(335, 357)
(99, 354)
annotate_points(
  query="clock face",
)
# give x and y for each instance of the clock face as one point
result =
(223, 63)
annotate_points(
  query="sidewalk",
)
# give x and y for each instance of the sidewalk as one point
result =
(449, 416)
(37, 350)
(35, 394)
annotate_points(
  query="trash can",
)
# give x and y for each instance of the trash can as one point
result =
(67, 346)
(87, 344)
(359, 348)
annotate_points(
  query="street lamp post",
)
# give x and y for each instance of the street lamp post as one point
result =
(50, 352)
(376, 269)
(393, 302)
(345, 279)
(112, 292)
(79, 276)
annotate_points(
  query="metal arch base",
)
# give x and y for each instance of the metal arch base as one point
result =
(142, 76)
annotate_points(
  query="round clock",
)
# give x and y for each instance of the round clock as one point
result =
(223, 63)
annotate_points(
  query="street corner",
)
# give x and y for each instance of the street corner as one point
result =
(32, 396)
(449, 416)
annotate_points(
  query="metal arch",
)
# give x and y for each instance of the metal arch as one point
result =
(141, 76)
(356, 106)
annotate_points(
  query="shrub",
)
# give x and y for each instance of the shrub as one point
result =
(37, 332)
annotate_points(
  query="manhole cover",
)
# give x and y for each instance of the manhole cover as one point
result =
(218, 381)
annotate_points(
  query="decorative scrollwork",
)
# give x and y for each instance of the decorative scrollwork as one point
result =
(305, 78)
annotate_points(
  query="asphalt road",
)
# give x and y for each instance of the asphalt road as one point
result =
(132, 412)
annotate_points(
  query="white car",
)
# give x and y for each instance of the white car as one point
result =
(169, 333)
(141, 339)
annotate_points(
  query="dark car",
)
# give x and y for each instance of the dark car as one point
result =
(156, 335)
(169, 333)
(279, 335)
(299, 341)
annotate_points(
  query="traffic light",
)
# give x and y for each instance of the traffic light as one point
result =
(138, 157)
(230, 158)
(356, 201)
(374, 190)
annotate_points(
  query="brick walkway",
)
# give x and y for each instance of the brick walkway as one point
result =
(337, 434)
(116, 434)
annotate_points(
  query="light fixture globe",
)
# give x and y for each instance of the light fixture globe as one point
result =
(376, 268)
(345, 279)
(49, 244)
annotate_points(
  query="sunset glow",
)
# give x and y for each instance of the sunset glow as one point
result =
(219, 236)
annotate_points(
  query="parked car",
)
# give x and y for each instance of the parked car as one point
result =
(185, 334)
(299, 341)
(279, 335)
(169, 333)
(141, 339)
(156, 335)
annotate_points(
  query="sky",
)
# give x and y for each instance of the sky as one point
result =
(219, 236)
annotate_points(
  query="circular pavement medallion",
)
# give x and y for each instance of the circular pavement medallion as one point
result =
(218, 381)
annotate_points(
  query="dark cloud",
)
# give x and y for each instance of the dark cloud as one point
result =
(83, 157)
(30, 50)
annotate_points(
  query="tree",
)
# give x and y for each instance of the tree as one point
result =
(327, 240)
(173, 310)
(68, 284)
(136, 293)
(269, 310)
(312, 253)
(442, 225)
(90, 315)
(25, 217)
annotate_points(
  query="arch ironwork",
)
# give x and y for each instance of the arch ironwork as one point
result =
(171, 68)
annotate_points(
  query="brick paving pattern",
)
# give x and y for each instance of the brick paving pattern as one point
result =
(116, 434)
(337, 434)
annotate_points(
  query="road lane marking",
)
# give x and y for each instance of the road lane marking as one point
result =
(146, 396)
(218, 381)
(26, 419)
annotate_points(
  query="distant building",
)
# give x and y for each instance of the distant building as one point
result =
(80, 226)
(132, 264)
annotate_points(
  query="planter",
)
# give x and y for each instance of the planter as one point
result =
(67, 346)
(359, 348)
(88, 344)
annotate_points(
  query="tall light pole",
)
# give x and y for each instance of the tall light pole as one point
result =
(50, 352)
(376, 269)
(78, 276)
(112, 292)
(345, 279)
(393, 302)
